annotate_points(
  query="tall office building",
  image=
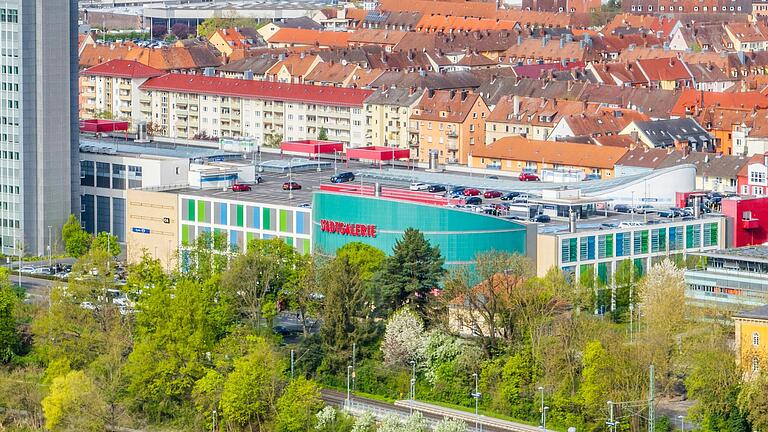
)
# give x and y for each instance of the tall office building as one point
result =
(38, 122)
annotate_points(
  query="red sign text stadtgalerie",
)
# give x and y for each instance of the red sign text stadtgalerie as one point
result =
(356, 230)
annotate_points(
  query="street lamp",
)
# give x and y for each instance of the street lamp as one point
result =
(413, 383)
(544, 418)
(541, 389)
(50, 261)
(611, 422)
(682, 422)
(476, 395)
(349, 394)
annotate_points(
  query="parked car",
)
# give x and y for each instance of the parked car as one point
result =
(492, 194)
(343, 177)
(473, 200)
(305, 205)
(542, 218)
(590, 177)
(436, 188)
(291, 186)
(493, 177)
(677, 211)
(471, 192)
(27, 269)
(522, 198)
(644, 208)
(509, 196)
(622, 208)
(667, 214)
(418, 186)
(240, 187)
(528, 176)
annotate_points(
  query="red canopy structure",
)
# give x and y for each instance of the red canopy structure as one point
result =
(377, 153)
(312, 147)
(102, 126)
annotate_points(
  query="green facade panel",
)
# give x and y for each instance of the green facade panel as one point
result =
(460, 235)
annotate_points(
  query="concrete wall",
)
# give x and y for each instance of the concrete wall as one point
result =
(152, 226)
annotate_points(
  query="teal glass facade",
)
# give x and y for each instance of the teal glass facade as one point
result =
(461, 235)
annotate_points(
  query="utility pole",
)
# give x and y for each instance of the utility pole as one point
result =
(291, 365)
(611, 422)
(651, 397)
(541, 420)
(413, 384)
(349, 393)
(50, 261)
(354, 365)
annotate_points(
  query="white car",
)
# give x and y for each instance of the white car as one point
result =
(28, 269)
(419, 186)
(41, 270)
(629, 224)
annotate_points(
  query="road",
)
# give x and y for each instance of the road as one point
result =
(432, 413)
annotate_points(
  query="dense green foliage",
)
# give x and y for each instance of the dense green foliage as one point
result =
(205, 348)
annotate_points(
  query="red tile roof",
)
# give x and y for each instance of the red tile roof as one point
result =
(552, 152)
(123, 69)
(690, 99)
(669, 69)
(310, 37)
(198, 84)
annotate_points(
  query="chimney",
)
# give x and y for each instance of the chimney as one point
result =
(516, 105)
(571, 221)
(519, 39)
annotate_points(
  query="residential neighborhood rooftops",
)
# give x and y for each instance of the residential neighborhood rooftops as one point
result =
(123, 69)
(554, 152)
(257, 89)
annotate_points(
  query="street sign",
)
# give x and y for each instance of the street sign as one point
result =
(140, 230)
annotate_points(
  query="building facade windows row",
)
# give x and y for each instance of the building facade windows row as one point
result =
(241, 222)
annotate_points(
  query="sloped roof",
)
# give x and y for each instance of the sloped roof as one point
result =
(395, 96)
(445, 106)
(123, 69)
(376, 37)
(309, 37)
(463, 9)
(166, 59)
(299, 23)
(661, 69)
(690, 99)
(553, 152)
(330, 73)
(259, 65)
(267, 90)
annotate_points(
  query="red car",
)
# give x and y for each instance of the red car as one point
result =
(239, 187)
(471, 192)
(291, 186)
(528, 176)
(491, 194)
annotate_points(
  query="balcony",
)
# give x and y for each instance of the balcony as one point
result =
(749, 224)
(125, 97)
(452, 134)
(452, 144)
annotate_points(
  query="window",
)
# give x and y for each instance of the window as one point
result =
(755, 364)
(756, 339)
(744, 189)
(605, 246)
(623, 247)
(118, 176)
(86, 173)
(641, 242)
(134, 177)
(757, 177)
(587, 248)
(568, 250)
(102, 175)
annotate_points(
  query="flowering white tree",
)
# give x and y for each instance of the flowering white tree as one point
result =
(325, 417)
(415, 423)
(450, 425)
(404, 339)
(365, 423)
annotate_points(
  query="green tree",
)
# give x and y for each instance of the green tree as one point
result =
(713, 381)
(177, 324)
(346, 312)
(370, 260)
(207, 257)
(104, 115)
(9, 308)
(209, 26)
(76, 240)
(322, 134)
(753, 401)
(450, 425)
(302, 291)
(251, 390)
(410, 274)
(106, 242)
(74, 404)
(273, 139)
(297, 406)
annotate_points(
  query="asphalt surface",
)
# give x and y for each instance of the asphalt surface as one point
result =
(432, 413)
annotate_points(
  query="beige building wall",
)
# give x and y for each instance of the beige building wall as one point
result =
(546, 253)
(152, 226)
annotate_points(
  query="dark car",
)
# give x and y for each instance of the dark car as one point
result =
(622, 208)
(473, 200)
(343, 177)
(510, 196)
(528, 176)
(667, 214)
(492, 194)
(436, 188)
(291, 186)
(471, 192)
(493, 177)
(541, 218)
(239, 187)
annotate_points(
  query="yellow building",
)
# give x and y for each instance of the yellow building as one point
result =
(752, 340)
(387, 112)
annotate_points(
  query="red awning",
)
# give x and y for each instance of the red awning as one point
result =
(376, 153)
(312, 147)
(102, 126)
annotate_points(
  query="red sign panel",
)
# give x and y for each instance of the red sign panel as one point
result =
(343, 228)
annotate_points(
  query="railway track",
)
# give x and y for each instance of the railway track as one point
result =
(432, 413)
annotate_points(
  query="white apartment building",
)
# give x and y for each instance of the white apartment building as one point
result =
(112, 89)
(195, 106)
